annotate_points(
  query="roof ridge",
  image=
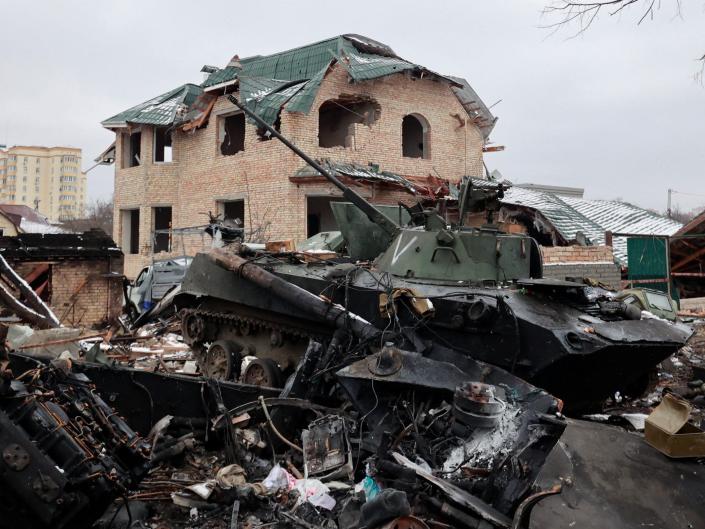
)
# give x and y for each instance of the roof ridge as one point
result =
(303, 46)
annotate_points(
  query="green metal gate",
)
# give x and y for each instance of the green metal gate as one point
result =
(648, 262)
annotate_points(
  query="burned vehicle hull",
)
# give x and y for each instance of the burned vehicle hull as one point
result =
(545, 332)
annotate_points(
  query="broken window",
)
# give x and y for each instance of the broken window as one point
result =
(130, 219)
(415, 136)
(232, 210)
(162, 144)
(337, 119)
(232, 134)
(162, 229)
(132, 149)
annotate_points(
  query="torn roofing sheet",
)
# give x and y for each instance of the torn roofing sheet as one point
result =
(357, 172)
(569, 215)
(199, 111)
(161, 110)
(363, 58)
(474, 106)
(266, 83)
(564, 219)
(266, 97)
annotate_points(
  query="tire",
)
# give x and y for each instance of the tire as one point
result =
(263, 372)
(222, 360)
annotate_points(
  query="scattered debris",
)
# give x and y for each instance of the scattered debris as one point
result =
(668, 430)
(271, 388)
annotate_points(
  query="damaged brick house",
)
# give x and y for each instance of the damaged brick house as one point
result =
(390, 127)
(77, 274)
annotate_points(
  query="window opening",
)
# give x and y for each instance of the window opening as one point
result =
(232, 134)
(337, 119)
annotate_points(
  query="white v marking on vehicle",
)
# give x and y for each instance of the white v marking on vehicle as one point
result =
(397, 254)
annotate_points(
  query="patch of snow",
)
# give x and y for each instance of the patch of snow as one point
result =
(28, 226)
(636, 419)
(646, 315)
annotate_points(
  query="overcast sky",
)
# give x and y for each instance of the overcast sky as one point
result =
(616, 110)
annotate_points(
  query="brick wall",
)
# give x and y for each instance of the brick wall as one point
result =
(595, 262)
(99, 300)
(200, 176)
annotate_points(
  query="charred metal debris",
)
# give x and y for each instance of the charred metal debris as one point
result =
(291, 389)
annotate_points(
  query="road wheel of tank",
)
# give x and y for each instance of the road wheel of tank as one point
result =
(263, 372)
(222, 360)
(193, 328)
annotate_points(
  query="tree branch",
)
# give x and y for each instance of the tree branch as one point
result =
(22, 311)
(33, 300)
(584, 14)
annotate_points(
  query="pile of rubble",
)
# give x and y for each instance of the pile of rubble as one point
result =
(370, 428)
(372, 443)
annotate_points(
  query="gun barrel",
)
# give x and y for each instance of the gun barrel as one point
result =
(368, 209)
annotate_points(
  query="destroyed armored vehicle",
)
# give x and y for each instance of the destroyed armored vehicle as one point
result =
(475, 290)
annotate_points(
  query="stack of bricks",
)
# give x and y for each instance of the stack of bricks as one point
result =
(594, 262)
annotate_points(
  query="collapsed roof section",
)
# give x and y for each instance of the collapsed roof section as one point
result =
(356, 172)
(33, 246)
(290, 80)
(565, 218)
(162, 110)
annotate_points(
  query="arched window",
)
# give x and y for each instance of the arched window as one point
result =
(415, 136)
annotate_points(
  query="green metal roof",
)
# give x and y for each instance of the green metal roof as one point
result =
(160, 110)
(291, 79)
(297, 64)
(229, 73)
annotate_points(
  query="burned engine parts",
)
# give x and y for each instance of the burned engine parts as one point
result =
(475, 405)
(65, 454)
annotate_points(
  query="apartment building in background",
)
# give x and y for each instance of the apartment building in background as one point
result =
(48, 179)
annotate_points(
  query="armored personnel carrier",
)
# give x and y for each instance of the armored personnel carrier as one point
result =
(475, 290)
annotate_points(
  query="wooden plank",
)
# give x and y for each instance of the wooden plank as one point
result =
(686, 260)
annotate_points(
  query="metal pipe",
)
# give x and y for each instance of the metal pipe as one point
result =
(368, 209)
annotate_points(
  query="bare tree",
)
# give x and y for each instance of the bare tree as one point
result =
(99, 215)
(581, 14)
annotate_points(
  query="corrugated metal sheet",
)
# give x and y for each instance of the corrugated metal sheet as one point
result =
(363, 58)
(358, 172)
(569, 215)
(229, 73)
(160, 110)
(474, 106)
(566, 221)
(647, 258)
(622, 217)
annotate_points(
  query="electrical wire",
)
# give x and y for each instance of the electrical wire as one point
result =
(274, 428)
